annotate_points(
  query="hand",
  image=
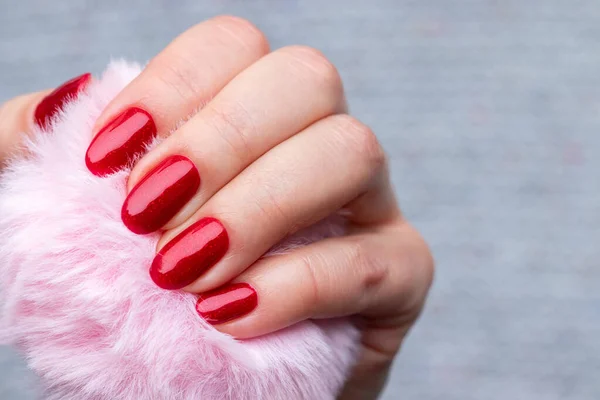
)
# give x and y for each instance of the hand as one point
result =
(266, 148)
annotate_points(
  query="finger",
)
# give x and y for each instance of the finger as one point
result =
(178, 81)
(264, 105)
(53, 102)
(282, 192)
(16, 117)
(19, 115)
(382, 276)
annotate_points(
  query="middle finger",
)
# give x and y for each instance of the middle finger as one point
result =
(269, 102)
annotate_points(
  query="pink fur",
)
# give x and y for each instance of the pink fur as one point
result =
(77, 299)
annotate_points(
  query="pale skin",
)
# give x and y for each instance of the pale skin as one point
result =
(270, 134)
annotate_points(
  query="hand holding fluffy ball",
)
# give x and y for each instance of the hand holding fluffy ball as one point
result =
(129, 189)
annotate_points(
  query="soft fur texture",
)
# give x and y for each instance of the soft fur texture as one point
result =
(77, 299)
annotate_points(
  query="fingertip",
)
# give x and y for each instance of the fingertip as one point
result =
(54, 101)
(29, 117)
(226, 307)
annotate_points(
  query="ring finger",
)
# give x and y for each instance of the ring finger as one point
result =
(283, 191)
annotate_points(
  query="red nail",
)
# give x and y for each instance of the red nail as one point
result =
(190, 254)
(55, 101)
(227, 303)
(120, 141)
(160, 195)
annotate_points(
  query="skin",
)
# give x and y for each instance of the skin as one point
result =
(261, 127)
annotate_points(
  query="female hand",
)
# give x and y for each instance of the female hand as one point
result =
(267, 148)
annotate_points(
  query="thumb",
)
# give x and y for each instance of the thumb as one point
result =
(17, 118)
(19, 115)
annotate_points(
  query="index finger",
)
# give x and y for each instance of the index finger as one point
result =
(178, 81)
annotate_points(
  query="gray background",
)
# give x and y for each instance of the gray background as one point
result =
(489, 111)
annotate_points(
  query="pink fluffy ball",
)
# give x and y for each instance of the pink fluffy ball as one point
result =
(78, 301)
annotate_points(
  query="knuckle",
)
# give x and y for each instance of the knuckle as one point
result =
(235, 127)
(413, 270)
(359, 139)
(317, 65)
(270, 207)
(372, 270)
(236, 23)
(417, 254)
(178, 72)
(243, 31)
(313, 295)
(178, 66)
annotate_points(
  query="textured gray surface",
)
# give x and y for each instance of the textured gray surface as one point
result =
(490, 113)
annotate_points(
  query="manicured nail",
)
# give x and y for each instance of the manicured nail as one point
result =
(227, 303)
(160, 195)
(190, 254)
(55, 101)
(120, 141)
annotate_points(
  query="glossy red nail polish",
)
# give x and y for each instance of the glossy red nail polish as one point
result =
(53, 102)
(227, 303)
(160, 195)
(120, 141)
(190, 254)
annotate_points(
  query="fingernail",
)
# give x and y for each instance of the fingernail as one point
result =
(190, 254)
(55, 101)
(227, 303)
(120, 141)
(160, 195)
